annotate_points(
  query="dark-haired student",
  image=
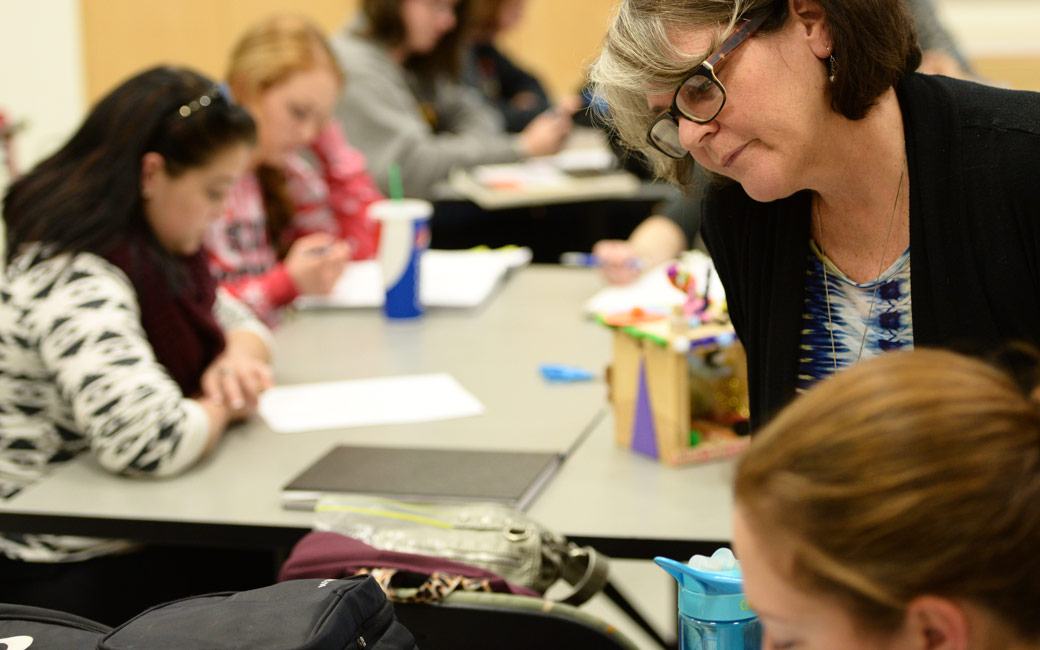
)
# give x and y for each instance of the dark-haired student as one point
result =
(516, 93)
(114, 339)
(405, 103)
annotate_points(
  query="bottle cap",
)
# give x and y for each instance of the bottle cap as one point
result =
(709, 594)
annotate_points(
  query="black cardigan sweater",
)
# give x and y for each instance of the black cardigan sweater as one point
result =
(974, 159)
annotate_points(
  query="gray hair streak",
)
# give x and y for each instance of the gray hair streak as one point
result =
(639, 58)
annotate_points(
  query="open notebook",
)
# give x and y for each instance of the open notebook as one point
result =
(446, 279)
(513, 478)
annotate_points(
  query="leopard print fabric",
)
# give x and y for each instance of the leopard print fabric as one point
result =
(436, 586)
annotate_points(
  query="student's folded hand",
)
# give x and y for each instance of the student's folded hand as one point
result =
(236, 381)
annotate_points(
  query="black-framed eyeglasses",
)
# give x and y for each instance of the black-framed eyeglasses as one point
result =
(700, 97)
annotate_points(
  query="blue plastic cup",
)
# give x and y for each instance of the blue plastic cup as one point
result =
(404, 235)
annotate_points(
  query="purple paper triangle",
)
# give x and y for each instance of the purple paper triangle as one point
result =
(644, 434)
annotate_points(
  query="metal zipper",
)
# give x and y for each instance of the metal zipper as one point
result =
(482, 556)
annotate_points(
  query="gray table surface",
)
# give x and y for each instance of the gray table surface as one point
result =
(629, 505)
(602, 493)
(493, 351)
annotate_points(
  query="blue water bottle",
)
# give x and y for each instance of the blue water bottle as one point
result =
(713, 613)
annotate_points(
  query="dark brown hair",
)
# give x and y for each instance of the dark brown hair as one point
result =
(911, 474)
(87, 195)
(875, 44)
(385, 24)
(483, 16)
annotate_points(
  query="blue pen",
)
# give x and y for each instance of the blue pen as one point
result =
(588, 259)
(317, 251)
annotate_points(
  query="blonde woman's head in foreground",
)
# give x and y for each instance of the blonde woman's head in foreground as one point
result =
(897, 505)
(282, 71)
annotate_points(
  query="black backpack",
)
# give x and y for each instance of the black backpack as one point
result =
(33, 628)
(352, 613)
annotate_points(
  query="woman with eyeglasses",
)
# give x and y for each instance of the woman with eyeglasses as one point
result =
(675, 227)
(116, 341)
(405, 103)
(836, 168)
(897, 505)
(300, 214)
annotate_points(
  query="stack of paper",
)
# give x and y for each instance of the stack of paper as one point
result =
(540, 182)
(654, 291)
(446, 279)
(585, 160)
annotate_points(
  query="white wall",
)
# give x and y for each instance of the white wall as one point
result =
(41, 73)
(993, 27)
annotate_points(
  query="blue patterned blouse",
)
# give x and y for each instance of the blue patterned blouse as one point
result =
(891, 324)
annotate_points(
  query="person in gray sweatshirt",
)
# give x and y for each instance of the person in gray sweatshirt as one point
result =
(404, 102)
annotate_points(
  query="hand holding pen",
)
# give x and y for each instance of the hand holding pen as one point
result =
(618, 260)
(315, 262)
(545, 134)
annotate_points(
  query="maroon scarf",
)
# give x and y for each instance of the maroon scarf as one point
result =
(179, 321)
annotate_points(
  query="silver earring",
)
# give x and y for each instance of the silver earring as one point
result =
(833, 69)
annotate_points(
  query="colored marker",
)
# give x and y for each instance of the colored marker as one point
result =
(560, 373)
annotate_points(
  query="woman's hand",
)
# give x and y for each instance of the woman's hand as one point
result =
(546, 132)
(235, 381)
(653, 242)
(315, 262)
(618, 260)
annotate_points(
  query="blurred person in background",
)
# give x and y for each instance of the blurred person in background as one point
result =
(406, 103)
(300, 214)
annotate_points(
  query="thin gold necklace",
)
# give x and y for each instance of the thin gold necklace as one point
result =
(877, 279)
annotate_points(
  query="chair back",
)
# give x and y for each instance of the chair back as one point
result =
(469, 620)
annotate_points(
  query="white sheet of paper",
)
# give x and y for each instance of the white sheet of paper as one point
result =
(446, 279)
(366, 402)
(571, 159)
(653, 290)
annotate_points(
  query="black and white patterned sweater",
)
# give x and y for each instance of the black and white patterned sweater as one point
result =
(77, 372)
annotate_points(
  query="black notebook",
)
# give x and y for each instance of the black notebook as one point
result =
(409, 474)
